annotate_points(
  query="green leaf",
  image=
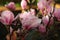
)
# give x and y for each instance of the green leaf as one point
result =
(17, 5)
(35, 3)
(33, 35)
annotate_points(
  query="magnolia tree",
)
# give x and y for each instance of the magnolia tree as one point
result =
(28, 23)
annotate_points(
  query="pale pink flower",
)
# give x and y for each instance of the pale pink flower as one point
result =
(29, 21)
(42, 4)
(49, 8)
(11, 6)
(32, 11)
(57, 14)
(49, 1)
(23, 4)
(7, 17)
(45, 20)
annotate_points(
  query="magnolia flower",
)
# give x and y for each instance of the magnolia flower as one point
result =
(45, 20)
(49, 1)
(11, 5)
(49, 8)
(6, 17)
(42, 28)
(29, 21)
(42, 4)
(23, 4)
(57, 14)
(32, 11)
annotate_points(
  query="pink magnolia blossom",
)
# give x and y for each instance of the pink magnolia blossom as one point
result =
(32, 11)
(49, 1)
(45, 20)
(49, 8)
(57, 14)
(23, 4)
(42, 4)
(7, 17)
(42, 28)
(11, 5)
(29, 21)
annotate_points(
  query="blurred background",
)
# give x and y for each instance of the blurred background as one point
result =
(2, 2)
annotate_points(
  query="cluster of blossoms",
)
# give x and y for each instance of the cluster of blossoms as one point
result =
(28, 18)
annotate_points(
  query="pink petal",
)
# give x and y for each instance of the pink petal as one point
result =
(7, 17)
(42, 28)
(23, 4)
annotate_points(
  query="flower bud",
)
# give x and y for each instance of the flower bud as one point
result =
(11, 6)
(23, 4)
